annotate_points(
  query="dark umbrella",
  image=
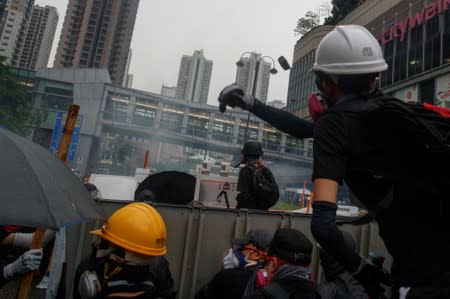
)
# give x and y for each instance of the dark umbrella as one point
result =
(37, 189)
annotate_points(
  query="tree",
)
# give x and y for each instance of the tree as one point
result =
(324, 10)
(308, 22)
(16, 111)
(341, 8)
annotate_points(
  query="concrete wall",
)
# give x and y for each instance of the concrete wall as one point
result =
(198, 237)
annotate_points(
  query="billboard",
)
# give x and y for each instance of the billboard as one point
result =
(408, 94)
(58, 131)
(442, 90)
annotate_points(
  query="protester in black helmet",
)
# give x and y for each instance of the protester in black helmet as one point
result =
(347, 147)
(287, 267)
(249, 196)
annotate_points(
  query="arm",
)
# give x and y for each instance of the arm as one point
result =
(329, 168)
(324, 228)
(234, 95)
(283, 120)
(23, 240)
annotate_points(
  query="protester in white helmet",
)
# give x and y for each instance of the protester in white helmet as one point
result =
(348, 147)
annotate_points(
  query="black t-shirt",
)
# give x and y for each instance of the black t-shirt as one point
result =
(374, 164)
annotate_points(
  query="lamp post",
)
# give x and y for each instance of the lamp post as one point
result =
(272, 71)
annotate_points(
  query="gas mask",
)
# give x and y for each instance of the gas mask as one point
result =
(316, 105)
(236, 259)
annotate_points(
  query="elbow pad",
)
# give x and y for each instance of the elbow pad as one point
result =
(327, 234)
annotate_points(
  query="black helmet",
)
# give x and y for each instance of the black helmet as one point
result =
(291, 245)
(252, 148)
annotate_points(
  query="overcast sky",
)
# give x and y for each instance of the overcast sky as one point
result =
(167, 29)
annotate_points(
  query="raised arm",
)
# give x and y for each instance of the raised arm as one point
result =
(234, 96)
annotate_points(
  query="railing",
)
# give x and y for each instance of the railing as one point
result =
(172, 125)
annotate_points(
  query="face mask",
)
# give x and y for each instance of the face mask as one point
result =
(316, 105)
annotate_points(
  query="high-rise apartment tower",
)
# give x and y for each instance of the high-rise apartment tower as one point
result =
(14, 18)
(97, 33)
(254, 71)
(38, 41)
(194, 78)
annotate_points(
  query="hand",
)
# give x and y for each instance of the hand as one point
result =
(27, 262)
(230, 261)
(371, 276)
(233, 95)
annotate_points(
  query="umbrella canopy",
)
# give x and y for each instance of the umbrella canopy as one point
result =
(37, 189)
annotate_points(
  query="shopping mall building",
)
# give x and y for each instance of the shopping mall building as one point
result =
(415, 37)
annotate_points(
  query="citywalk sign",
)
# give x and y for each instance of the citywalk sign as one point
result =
(400, 28)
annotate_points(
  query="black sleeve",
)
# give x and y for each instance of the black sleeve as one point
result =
(330, 148)
(330, 238)
(283, 120)
(244, 185)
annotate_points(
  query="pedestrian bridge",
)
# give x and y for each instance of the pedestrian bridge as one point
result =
(146, 115)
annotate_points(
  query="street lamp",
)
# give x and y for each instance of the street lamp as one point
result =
(273, 71)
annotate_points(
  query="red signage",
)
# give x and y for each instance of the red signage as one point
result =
(400, 28)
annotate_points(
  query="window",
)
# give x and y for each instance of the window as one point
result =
(416, 50)
(446, 39)
(400, 60)
(432, 44)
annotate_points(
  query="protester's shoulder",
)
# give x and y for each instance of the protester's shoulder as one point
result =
(330, 124)
(329, 117)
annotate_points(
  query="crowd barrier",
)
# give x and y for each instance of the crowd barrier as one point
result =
(198, 238)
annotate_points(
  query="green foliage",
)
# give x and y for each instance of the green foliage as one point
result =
(285, 206)
(16, 111)
(308, 22)
(341, 8)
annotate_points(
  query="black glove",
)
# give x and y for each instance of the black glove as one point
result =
(371, 276)
(234, 95)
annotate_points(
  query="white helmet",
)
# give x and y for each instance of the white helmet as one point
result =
(349, 50)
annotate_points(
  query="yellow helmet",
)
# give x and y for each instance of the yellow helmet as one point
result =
(136, 227)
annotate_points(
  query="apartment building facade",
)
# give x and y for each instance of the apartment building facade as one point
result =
(97, 34)
(194, 77)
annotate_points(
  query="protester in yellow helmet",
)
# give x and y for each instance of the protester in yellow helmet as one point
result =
(128, 262)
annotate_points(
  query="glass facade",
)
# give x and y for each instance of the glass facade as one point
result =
(301, 84)
(424, 46)
(415, 38)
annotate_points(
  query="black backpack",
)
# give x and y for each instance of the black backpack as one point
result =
(424, 134)
(265, 187)
(428, 126)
